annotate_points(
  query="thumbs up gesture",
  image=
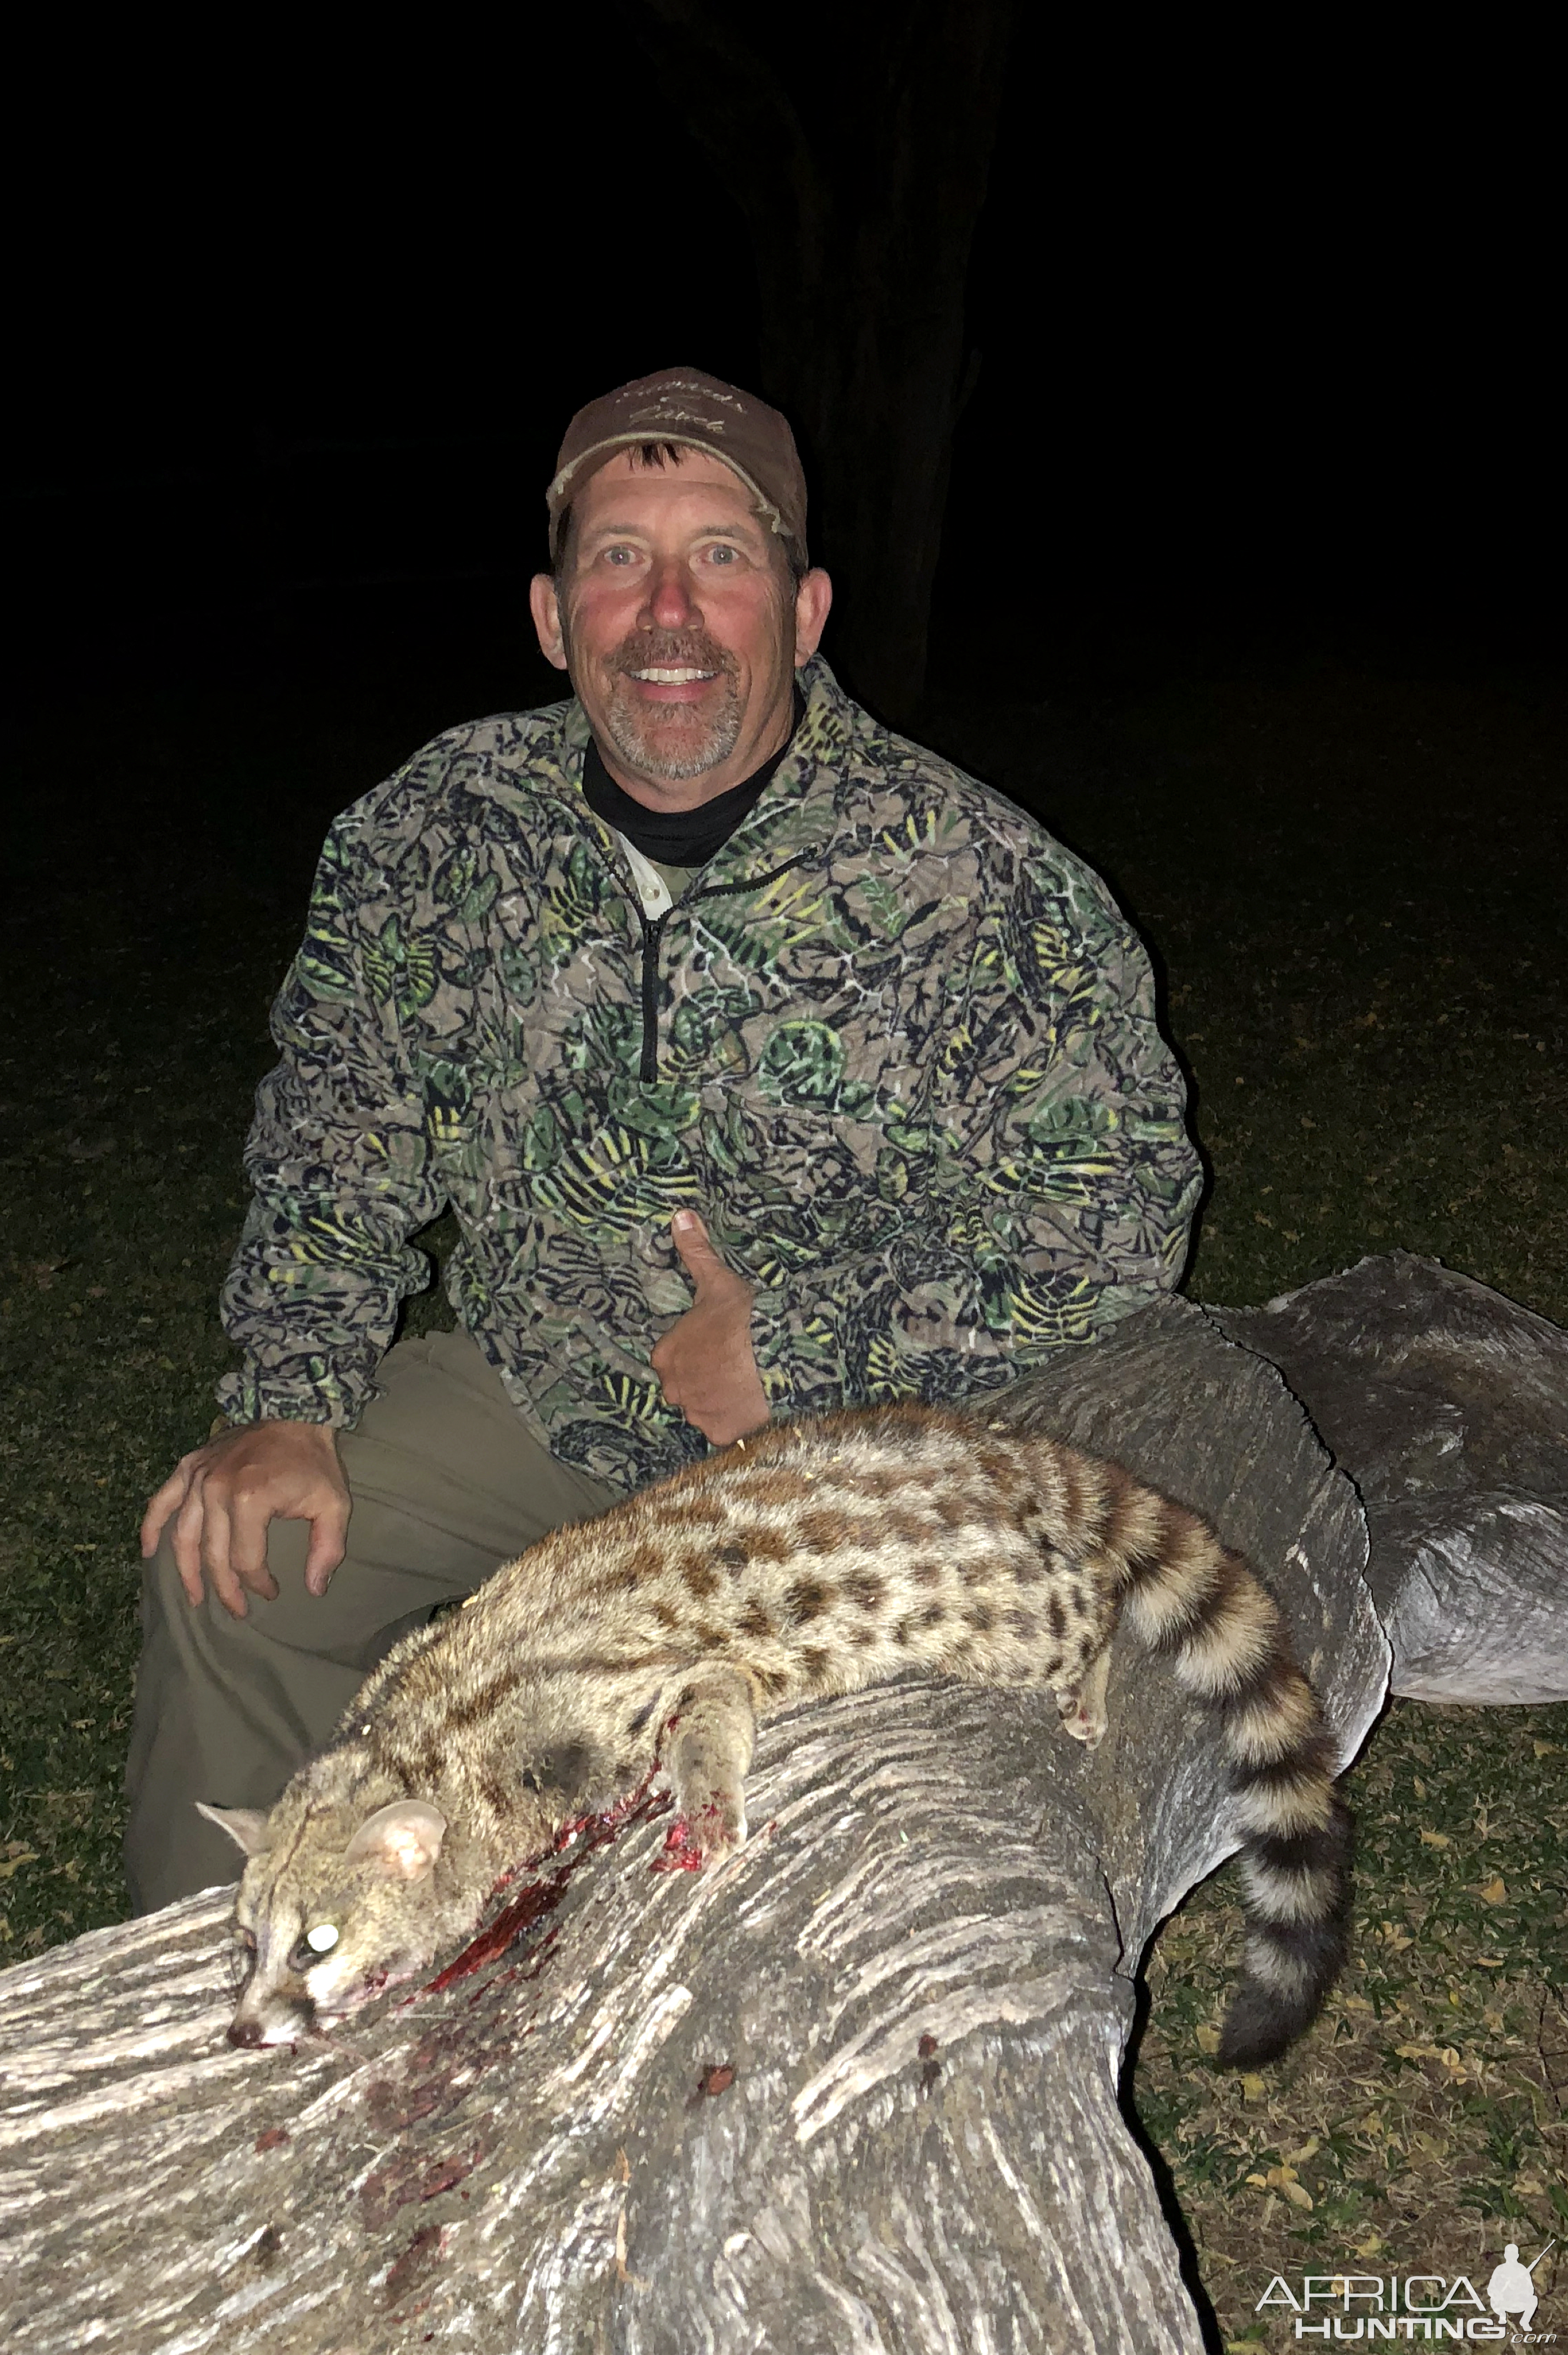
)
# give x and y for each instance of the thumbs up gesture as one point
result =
(705, 1360)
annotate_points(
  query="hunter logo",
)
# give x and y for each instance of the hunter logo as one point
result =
(1432, 2306)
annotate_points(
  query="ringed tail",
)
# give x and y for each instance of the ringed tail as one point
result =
(1190, 1598)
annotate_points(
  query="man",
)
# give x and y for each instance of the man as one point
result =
(1510, 2290)
(768, 1063)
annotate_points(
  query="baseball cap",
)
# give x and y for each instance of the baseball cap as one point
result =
(698, 411)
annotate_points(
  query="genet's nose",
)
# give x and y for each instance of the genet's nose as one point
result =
(245, 2032)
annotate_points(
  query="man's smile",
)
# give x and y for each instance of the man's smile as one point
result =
(671, 684)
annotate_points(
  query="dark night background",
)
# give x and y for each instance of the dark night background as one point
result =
(1263, 324)
(1249, 585)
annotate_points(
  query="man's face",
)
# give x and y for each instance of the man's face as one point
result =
(679, 625)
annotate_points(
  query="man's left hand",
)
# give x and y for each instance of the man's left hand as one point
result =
(705, 1360)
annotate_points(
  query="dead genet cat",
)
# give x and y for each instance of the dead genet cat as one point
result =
(815, 1558)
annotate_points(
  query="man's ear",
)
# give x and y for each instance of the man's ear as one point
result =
(403, 1839)
(545, 607)
(246, 1827)
(813, 600)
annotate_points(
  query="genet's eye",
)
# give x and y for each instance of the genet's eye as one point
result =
(316, 1942)
(247, 1937)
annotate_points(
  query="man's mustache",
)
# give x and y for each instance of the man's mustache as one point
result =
(672, 650)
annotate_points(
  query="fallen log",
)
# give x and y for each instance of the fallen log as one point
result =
(857, 2089)
(1447, 1404)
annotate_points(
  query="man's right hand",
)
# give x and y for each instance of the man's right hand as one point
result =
(221, 1497)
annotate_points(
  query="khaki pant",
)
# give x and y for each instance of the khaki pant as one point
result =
(446, 1482)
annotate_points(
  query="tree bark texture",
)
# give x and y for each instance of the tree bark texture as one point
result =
(856, 2090)
(1447, 1404)
(859, 162)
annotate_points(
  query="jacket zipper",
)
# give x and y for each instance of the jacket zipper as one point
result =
(746, 882)
(653, 933)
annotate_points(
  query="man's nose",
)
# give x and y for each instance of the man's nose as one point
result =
(671, 601)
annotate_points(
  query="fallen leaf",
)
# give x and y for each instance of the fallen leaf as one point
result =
(14, 1863)
(1433, 1840)
(1495, 1893)
(1208, 2040)
(1253, 2088)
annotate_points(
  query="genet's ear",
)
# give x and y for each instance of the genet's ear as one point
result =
(246, 1827)
(403, 1838)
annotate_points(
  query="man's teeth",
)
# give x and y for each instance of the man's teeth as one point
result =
(673, 677)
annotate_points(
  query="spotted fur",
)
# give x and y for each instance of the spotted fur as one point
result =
(814, 1559)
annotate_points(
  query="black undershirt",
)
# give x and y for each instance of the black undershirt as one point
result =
(678, 837)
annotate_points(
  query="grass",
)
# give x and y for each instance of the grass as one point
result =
(1421, 2124)
(1350, 868)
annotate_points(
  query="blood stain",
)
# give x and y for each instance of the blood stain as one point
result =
(585, 1834)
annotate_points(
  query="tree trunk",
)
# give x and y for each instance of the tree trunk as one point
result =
(856, 2090)
(860, 167)
(1447, 1404)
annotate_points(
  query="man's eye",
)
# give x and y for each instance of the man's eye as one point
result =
(620, 555)
(722, 555)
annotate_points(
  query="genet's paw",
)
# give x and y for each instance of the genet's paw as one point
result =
(709, 1827)
(1081, 1717)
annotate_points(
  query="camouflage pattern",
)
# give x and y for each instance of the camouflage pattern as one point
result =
(895, 1044)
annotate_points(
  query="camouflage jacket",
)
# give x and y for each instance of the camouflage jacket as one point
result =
(895, 1044)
